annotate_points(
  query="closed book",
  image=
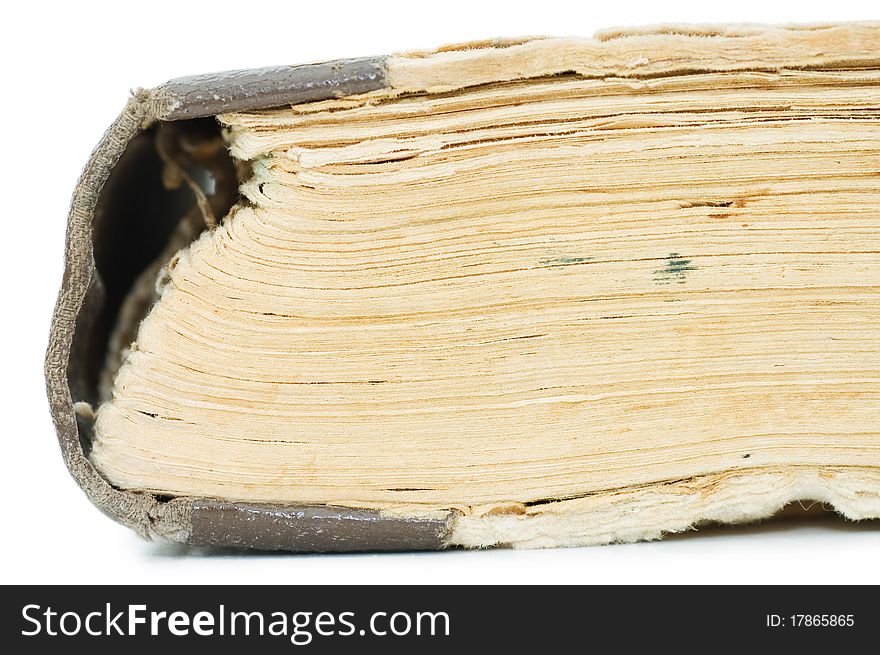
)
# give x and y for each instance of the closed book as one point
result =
(527, 293)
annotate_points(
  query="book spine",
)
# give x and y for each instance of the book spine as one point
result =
(198, 521)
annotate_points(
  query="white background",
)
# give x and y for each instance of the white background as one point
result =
(67, 71)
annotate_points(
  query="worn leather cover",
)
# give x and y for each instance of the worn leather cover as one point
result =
(96, 227)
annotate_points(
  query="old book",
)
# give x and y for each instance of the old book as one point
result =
(529, 293)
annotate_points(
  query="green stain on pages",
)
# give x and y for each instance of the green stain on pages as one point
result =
(566, 261)
(676, 270)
